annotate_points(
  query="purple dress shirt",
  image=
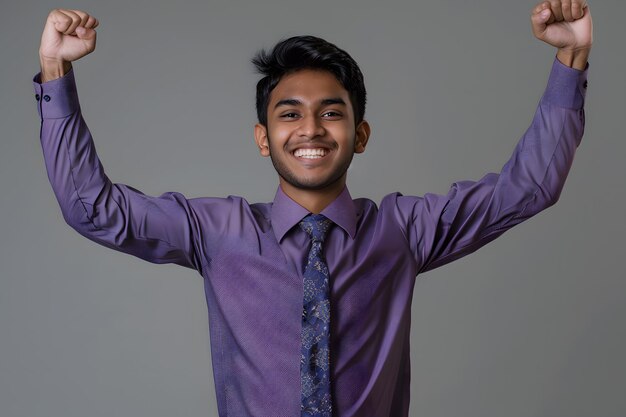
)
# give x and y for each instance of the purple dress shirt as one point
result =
(251, 256)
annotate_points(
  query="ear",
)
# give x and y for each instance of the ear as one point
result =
(260, 137)
(363, 131)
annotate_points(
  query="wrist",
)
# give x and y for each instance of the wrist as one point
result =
(52, 69)
(574, 58)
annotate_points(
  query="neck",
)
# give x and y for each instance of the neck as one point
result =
(314, 200)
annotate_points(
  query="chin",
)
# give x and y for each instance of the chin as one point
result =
(313, 184)
(328, 178)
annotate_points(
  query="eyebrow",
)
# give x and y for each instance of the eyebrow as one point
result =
(296, 102)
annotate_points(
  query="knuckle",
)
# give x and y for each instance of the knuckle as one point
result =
(83, 16)
(72, 15)
(57, 15)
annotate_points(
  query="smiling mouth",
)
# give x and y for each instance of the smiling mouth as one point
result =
(315, 153)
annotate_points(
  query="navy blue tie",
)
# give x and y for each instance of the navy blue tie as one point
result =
(315, 360)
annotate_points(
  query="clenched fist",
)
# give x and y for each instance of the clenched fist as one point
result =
(567, 25)
(67, 36)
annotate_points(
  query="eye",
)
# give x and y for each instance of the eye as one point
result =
(290, 115)
(331, 114)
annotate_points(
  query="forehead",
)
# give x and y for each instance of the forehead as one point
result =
(308, 85)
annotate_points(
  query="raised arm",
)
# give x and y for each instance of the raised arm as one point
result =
(442, 228)
(160, 229)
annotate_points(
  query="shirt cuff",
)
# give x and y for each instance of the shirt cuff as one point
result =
(566, 86)
(56, 98)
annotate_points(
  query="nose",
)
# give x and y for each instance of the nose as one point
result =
(311, 127)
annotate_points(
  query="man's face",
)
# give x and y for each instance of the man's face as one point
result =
(310, 133)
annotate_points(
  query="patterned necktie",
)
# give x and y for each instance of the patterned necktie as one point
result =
(315, 363)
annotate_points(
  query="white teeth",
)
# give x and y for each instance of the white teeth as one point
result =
(310, 153)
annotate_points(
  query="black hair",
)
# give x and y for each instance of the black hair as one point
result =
(307, 52)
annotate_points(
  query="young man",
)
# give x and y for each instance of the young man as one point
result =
(309, 296)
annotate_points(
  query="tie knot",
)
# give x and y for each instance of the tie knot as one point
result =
(316, 226)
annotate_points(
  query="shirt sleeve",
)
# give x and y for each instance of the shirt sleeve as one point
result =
(443, 228)
(159, 229)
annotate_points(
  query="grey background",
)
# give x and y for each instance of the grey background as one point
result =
(533, 324)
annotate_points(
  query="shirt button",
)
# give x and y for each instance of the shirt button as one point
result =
(37, 97)
(46, 97)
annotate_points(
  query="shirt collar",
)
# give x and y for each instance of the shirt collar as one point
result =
(286, 213)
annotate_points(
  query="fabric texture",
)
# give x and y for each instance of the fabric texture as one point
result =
(315, 366)
(250, 255)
